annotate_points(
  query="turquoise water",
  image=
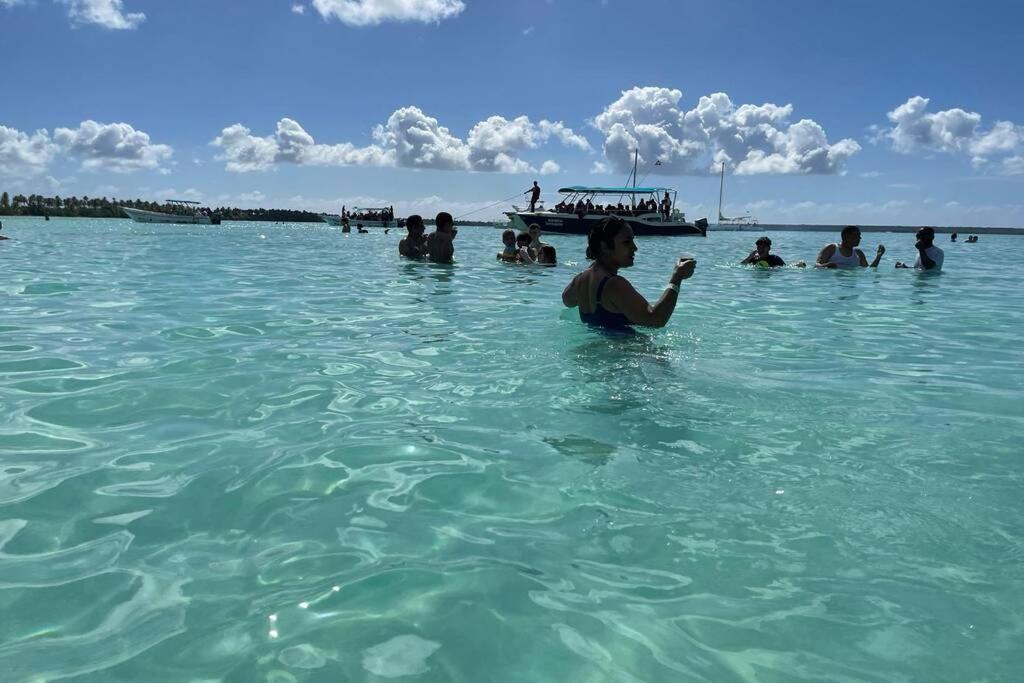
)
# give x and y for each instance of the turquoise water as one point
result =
(276, 453)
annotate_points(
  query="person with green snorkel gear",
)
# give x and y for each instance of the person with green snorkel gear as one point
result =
(605, 298)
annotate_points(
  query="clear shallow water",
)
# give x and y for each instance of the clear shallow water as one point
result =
(224, 456)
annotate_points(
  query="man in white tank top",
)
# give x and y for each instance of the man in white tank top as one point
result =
(846, 254)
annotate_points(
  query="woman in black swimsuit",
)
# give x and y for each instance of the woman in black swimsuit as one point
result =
(605, 298)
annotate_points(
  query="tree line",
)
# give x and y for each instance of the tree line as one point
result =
(101, 207)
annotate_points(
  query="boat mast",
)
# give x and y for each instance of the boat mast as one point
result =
(721, 185)
(632, 197)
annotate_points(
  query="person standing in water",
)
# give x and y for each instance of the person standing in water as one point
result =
(605, 298)
(534, 193)
(846, 254)
(1, 228)
(440, 243)
(414, 244)
(929, 256)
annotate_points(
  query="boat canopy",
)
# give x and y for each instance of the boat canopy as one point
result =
(180, 201)
(614, 190)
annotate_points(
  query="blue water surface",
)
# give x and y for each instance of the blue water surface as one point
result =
(274, 452)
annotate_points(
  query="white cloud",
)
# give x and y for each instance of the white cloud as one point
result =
(298, 9)
(373, 12)
(549, 167)
(1013, 165)
(254, 196)
(753, 138)
(116, 147)
(528, 30)
(600, 168)
(408, 139)
(107, 13)
(189, 194)
(952, 131)
(24, 154)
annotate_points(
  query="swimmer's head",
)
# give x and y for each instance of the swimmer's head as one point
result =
(763, 244)
(534, 230)
(548, 255)
(851, 235)
(611, 238)
(414, 223)
(523, 239)
(508, 237)
(926, 235)
(444, 221)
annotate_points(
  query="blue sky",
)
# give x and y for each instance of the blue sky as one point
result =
(869, 112)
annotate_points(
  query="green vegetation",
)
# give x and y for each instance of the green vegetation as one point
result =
(92, 207)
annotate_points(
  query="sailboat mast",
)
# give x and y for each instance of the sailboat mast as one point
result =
(632, 197)
(721, 186)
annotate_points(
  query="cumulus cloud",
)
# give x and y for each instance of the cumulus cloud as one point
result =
(373, 12)
(409, 138)
(290, 143)
(298, 9)
(107, 13)
(116, 147)
(549, 167)
(952, 131)
(753, 138)
(23, 154)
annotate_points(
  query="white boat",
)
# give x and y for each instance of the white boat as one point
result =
(188, 213)
(379, 217)
(738, 223)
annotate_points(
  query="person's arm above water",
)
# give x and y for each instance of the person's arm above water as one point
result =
(824, 256)
(878, 257)
(751, 258)
(620, 296)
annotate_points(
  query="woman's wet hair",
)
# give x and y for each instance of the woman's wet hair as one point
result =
(602, 235)
(548, 255)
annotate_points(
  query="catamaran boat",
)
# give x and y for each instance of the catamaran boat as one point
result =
(573, 217)
(379, 217)
(738, 223)
(184, 212)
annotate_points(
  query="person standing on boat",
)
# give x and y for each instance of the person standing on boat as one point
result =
(666, 207)
(605, 298)
(929, 256)
(440, 243)
(846, 254)
(534, 193)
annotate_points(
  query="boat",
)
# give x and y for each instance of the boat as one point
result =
(577, 212)
(186, 212)
(738, 223)
(368, 217)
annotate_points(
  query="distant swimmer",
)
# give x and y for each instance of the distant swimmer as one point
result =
(1, 228)
(534, 193)
(440, 243)
(763, 258)
(605, 298)
(345, 227)
(846, 254)
(952, 238)
(360, 228)
(929, 256)
(414, 244)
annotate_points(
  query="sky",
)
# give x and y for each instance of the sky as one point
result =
(896, 112)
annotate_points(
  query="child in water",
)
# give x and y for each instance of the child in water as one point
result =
(523, 240)
(510, 252)
(547, 256)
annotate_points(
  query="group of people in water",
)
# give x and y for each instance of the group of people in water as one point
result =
(387, 214)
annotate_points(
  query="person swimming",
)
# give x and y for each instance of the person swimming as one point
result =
(605, 298)
(523, 254)
(547, 256)
(510, 251)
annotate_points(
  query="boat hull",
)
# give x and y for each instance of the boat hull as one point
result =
(334, 219)
(572, 224)
(140, 216)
